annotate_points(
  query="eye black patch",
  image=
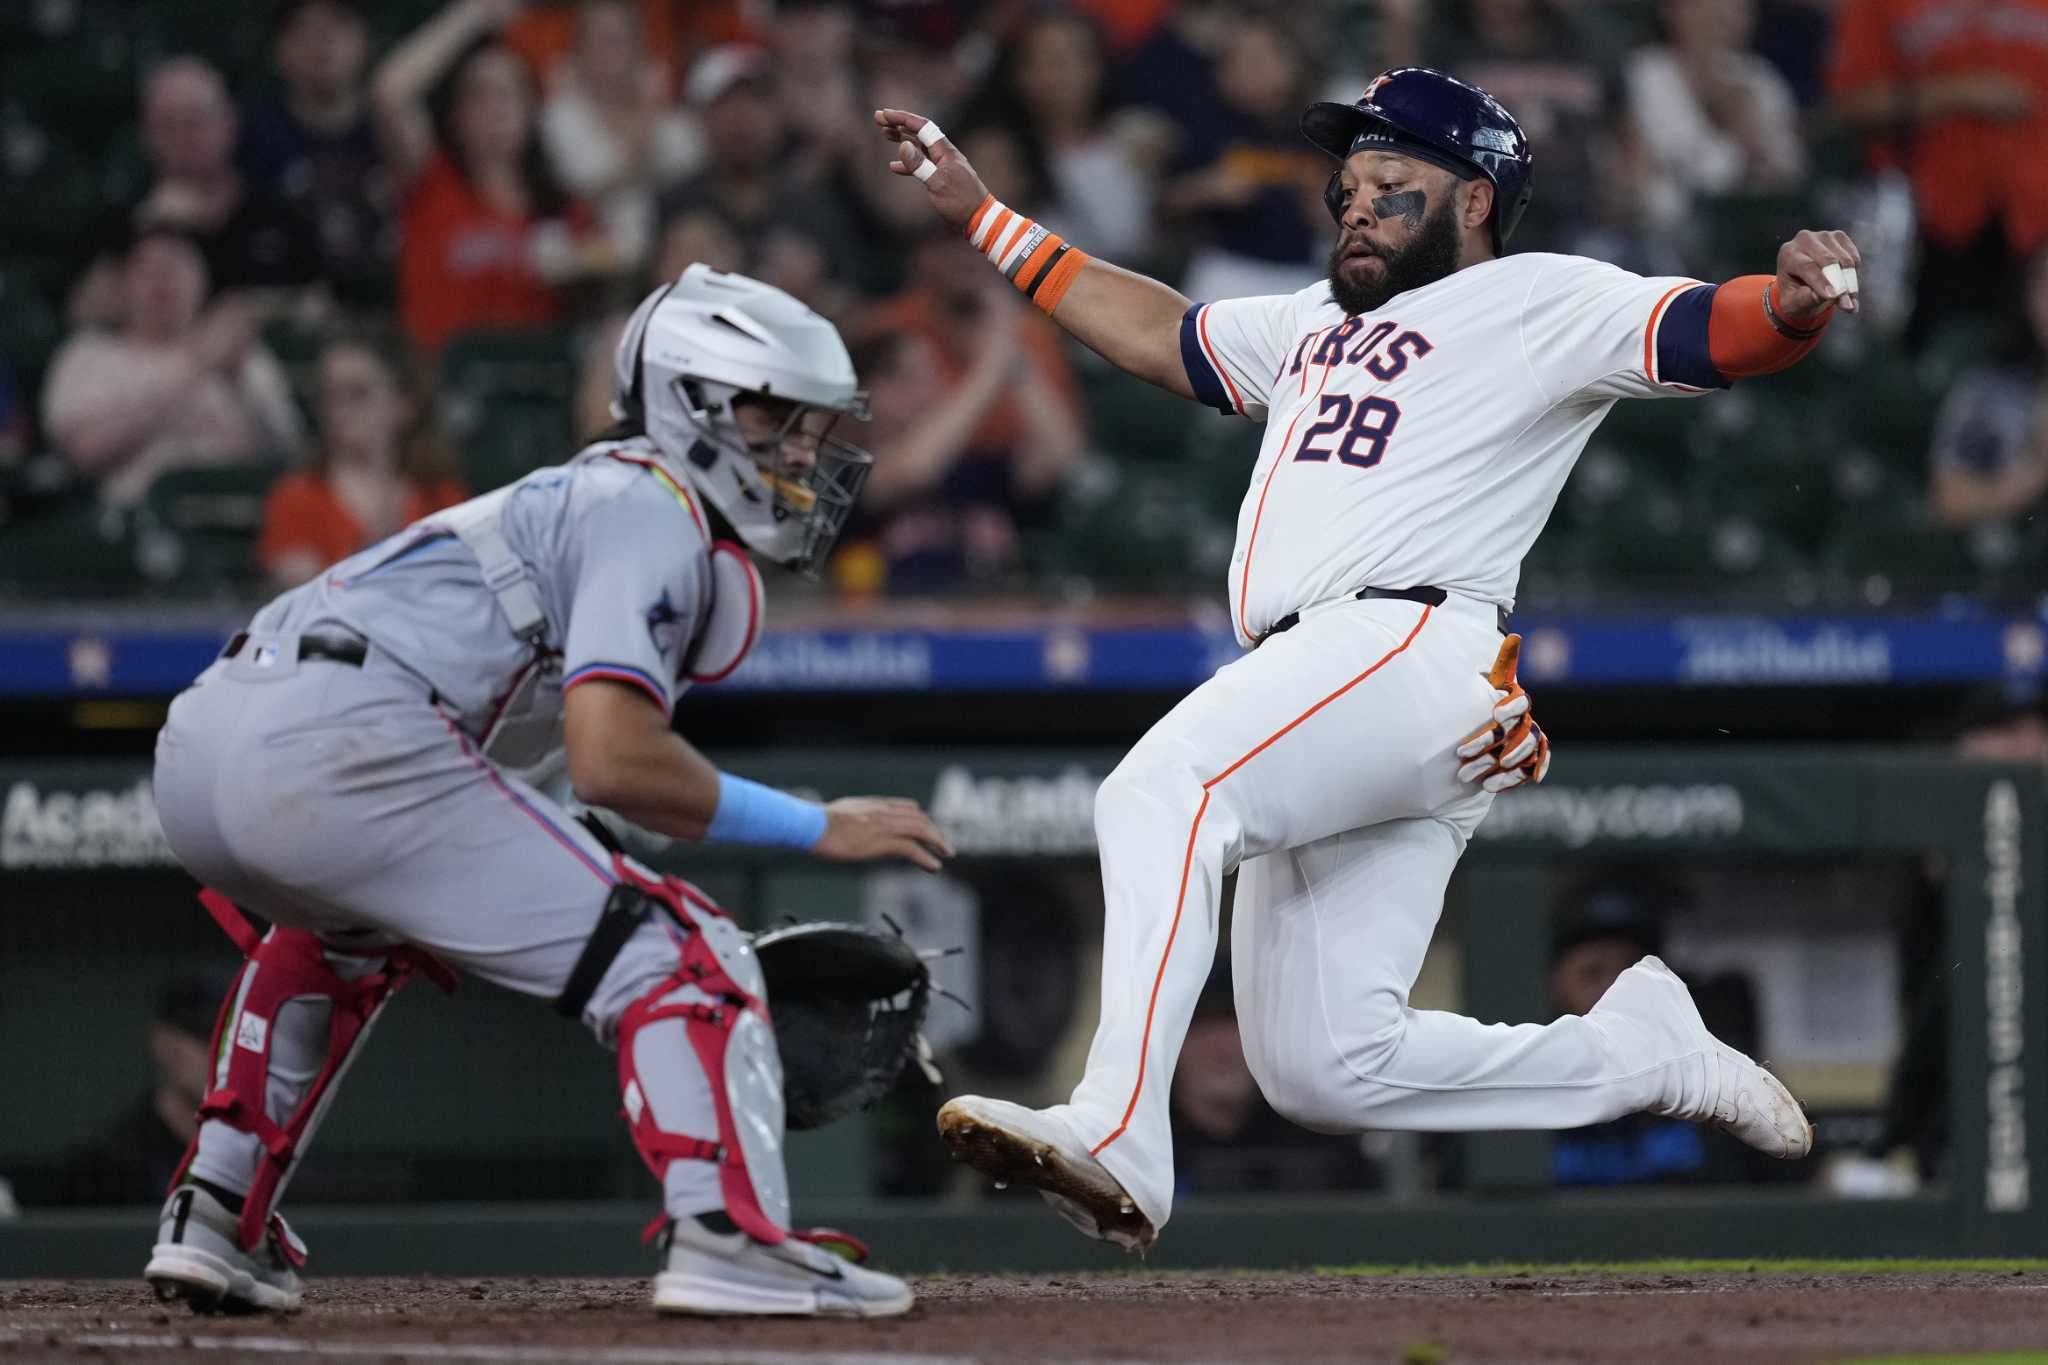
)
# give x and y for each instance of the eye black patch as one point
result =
(1411, 205)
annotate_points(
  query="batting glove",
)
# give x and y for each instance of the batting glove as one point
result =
(1511, 748)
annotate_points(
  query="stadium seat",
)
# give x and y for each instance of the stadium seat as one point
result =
(29, 330)
(81, 551)
(1128, 415)
(83, 82)
(1135, 530)
(1887, 561)
(201, 525)
(1742, 232)
(506, 398)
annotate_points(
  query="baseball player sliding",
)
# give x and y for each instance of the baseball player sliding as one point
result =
(347, 770)
(1422, 408)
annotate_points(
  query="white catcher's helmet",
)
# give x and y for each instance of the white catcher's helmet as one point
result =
(693, 348)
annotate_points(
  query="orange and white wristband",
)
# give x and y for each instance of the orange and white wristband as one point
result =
(1037, 260)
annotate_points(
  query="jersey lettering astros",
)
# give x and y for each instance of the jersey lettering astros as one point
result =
(1425, 444)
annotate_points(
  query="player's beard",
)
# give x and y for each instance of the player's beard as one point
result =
(1432, 255)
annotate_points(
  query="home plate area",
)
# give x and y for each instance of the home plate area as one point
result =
(1731, 1316)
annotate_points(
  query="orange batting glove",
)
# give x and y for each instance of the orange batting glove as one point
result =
(1511, 748)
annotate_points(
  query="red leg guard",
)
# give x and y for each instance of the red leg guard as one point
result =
(283, 965)
(710, 1028)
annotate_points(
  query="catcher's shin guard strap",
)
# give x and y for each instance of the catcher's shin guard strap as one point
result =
(625, 910)
(286, 965)
(634, 898)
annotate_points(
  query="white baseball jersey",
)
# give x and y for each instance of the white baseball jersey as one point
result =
(1424, 445)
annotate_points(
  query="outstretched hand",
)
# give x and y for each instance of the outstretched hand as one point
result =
(1816, 270)
(861, 829)
(955, 190)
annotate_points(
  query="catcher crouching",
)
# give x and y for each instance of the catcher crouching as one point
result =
(349, 770)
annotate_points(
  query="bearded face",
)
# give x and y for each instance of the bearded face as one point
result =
(1366, 269)
(1404, 235)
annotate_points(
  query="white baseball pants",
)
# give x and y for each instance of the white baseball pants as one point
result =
(1320, 767)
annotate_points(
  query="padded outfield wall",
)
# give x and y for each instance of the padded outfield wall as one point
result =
(92, 915)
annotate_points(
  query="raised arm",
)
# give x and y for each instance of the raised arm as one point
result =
(1129, 320)
(399, 86)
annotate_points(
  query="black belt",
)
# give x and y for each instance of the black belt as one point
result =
(341, 649)
(1429, 597)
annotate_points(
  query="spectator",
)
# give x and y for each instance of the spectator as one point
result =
(1096, 168)
(608, 129)
(488, 236)
(751, 177)
(1714, 116)
(1604, 934)
(1174, 71)
(1990, 455)
(1527, 55)
(132, 1159)
(250, 240)
(307, 141)
(1226, 1137)
(1614, 922)
(176, 387)
(696, 234)
(379, 464)
(1253, 195)
(545, 33)
(1955, 92)
(975, 423)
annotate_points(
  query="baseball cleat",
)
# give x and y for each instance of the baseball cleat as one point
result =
(1715, 1084)
(713, 1269)
(1014, 1145)
(199, 1261)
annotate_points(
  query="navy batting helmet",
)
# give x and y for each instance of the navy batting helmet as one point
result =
(1436, 118)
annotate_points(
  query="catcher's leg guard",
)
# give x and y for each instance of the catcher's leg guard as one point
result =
(285, 1036)
(710, 1010)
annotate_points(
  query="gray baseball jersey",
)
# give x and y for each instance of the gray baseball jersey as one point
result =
(355, 802)
(615, 550)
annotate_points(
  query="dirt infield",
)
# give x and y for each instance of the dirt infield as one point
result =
(1608, 1317)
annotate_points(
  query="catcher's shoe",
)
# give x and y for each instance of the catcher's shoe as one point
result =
(198, 1260)
(710, 1267)
(1018, 1146)
(1714, 1084)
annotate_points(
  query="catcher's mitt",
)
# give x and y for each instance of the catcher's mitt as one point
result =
(848, 1004)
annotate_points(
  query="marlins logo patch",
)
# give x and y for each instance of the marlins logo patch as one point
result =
(665, 625)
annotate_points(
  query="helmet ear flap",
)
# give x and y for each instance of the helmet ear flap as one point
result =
(1333, 197)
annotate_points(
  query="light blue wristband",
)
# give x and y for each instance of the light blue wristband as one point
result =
(749, 813)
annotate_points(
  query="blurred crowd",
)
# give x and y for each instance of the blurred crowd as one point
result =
(369, 256)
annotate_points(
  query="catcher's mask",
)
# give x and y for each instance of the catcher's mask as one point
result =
(848, 1004)
(813, 477)
(739, 386)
